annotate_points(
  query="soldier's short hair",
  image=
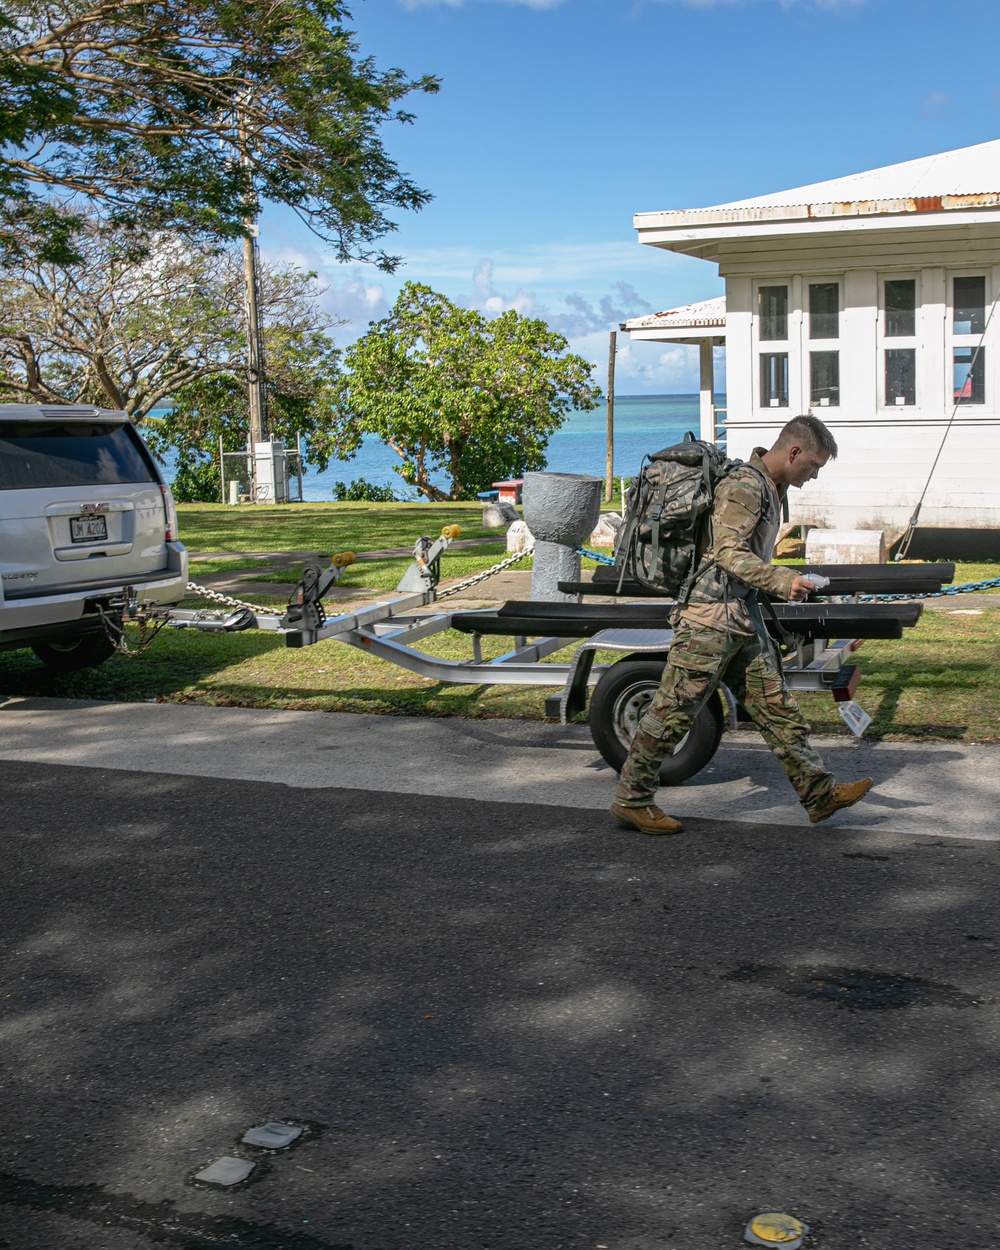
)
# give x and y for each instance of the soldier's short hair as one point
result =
(809, 432)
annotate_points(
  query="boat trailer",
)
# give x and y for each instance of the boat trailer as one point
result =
(826, 630)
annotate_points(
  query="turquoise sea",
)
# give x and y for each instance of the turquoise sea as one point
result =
(643, 423)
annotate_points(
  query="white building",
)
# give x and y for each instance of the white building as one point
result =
(868, 301)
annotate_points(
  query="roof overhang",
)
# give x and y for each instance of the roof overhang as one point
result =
(703, 232)
(690, 323)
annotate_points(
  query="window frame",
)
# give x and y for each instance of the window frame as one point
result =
(789, 347)
(898, 342)
(962, 342)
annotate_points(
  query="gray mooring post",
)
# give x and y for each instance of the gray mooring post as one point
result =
(560, 510)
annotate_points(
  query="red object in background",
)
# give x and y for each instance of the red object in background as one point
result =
(510, 492)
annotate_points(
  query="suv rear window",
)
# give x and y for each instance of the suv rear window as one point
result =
(70, 453)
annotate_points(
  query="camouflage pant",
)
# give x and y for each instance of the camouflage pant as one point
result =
(700, 660)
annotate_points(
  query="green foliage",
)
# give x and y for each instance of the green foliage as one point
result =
(450, 390)
(360, 491)
(181, 114)
(143, 320)
(197, 481)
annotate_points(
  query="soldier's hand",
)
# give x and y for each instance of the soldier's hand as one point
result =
(802, 588)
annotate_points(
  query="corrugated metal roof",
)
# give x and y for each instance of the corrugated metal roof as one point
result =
(966, 178)
(705, 314)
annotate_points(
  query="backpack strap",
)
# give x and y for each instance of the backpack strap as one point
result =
(627, 537)
(785, 640)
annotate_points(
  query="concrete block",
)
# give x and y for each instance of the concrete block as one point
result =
(274, 1135)
(518, 537)
(226, 1171)
(605, 531)
(499, 515)
(845, 547)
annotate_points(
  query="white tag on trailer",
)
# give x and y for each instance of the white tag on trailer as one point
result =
(854, 717)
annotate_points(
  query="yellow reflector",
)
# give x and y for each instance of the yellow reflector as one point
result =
(774, 1228)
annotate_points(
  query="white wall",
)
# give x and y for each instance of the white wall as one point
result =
(886, 453)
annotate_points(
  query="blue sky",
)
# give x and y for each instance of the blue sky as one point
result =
(559, 119)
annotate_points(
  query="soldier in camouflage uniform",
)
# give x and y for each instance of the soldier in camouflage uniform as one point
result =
(720, 637)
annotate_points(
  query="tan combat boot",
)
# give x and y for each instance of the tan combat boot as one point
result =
(649, 820)
(844, 795)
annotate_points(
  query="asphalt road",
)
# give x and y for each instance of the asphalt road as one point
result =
(504, 1026)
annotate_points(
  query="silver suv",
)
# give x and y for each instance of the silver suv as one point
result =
(84, 512)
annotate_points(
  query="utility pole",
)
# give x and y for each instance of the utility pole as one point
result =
(255, 346)
(609, 471)
(256, 376)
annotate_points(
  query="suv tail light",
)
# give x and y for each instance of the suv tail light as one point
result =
(169, 514)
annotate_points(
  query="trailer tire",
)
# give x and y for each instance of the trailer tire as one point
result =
(618, 703)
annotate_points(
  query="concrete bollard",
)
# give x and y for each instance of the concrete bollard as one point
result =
(845, 547)
(561, 510)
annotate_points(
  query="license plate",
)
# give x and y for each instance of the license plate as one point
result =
(88, 529)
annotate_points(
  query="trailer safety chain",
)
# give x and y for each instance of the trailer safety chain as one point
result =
(205, 592)
(481, 577)
(114, 627)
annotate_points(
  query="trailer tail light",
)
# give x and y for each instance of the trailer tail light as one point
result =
(846, 683)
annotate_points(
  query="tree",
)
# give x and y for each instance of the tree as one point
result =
(181, 114)
(450, 390)
(139, 323)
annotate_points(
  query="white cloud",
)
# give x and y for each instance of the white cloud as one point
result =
(935, 104)
(640, 368)
(577, 288)
(530, 263)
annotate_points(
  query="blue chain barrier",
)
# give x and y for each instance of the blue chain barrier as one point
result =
(595, 555)
(966, 588)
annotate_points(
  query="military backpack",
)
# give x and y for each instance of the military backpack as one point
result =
(665, 530)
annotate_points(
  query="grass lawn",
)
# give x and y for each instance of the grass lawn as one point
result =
(942, 679)
(322, 527)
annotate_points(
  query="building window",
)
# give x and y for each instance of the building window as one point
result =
(824, 379)
(969, 374)
(969, 306)
(824, 310)
(900, 308)
(774, 379)
(772, 304)
(900, 375)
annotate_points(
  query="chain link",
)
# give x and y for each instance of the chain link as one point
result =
(966, 588)
(595, 555)
(205, 592)
(481, 577)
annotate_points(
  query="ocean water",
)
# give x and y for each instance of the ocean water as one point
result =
(643, 423)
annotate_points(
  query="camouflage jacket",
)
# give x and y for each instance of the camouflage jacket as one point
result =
(746, 514)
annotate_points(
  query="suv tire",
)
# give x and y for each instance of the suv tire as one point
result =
(70, 654)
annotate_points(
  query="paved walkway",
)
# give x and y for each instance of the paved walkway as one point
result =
(944, 789)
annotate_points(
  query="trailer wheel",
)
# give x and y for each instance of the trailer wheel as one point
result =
(619, 702)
